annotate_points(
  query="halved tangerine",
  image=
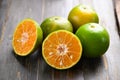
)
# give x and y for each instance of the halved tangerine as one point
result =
(61, 49)
(27, 36)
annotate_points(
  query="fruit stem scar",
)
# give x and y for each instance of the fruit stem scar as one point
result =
(92, 26)
(84, 7)
(62, 49)
(56, 18)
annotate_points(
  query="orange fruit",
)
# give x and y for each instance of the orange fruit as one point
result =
(82, 14)
(61, 49)
(27, 37)
(55, 23)
(94, 38)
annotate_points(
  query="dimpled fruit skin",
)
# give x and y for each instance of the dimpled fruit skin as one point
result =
(94, 39)
(82, 14)
(55, 23)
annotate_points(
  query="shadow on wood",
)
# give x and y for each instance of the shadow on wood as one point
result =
(85, 66)
(31, 59)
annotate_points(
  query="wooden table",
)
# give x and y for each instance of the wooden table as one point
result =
(34, 67)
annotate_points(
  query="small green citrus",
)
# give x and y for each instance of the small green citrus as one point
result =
(94, 39)
(55, 23)
(82, 14)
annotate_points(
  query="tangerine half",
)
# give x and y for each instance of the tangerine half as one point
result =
(27, 37)
(61, 49)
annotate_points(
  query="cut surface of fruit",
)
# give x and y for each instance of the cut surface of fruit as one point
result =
(27, 36)
(61, 49)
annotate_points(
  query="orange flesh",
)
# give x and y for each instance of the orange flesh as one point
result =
(24, 37)
(62, 50)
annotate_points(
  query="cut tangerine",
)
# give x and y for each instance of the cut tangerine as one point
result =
(27, 36)
(61, 49)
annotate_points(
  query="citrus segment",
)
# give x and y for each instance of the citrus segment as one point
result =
(61, 49)
(26, 37)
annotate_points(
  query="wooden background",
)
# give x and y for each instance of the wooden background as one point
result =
(34, 67)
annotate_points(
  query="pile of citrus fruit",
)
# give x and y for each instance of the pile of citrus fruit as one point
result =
(63, 41)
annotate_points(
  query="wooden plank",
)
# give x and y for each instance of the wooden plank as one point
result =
(3, 16)
(13, 67)
(33, 67)
(117, 13)
(107, 19)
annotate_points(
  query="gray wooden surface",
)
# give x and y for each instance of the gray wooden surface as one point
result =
(33, 67)
(117, 13)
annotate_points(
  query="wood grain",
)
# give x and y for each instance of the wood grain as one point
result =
(117, 14)
(33, 67)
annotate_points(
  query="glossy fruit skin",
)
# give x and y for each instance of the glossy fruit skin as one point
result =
(55, 23)
(82, 14)
(94, 38)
